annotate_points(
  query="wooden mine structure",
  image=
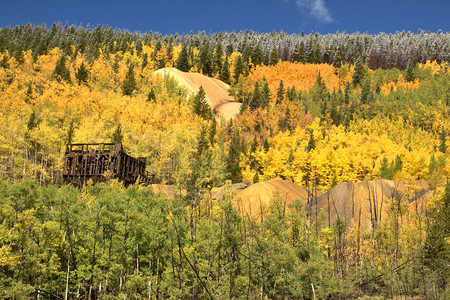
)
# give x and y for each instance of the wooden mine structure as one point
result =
(100, 162)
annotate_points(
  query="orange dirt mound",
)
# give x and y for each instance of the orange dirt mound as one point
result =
(363, 203)
(216, 91)
(257, 197)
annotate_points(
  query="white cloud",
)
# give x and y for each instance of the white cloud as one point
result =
(316, 8)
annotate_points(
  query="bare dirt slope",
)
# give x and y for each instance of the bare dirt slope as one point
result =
(216, 91)
(259, 196)
(363, 203)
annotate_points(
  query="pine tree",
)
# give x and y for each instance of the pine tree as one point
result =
(183, 60)
(359, 72)
(225, 72)
(365, 91)
(151, 96)
(82, 74)
(201, 106)
(265, 94)
(117, 135)
(338, 57)
(238, 68)
(217, 59)
(256, 98)
(70, 132)
(129, 83)
(233, 159)
(61, 72)
(273, 57)
(257, 56)
(280, 92)
(206, 59)
(410, 76)
(311, 142)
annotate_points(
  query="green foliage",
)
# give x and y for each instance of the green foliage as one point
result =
(238, 68)
(82, 74)
(234, 158)
(225, 72)
(390, 170)
(273, 57)
(183, 60)
(129, 83)
(359, 73)
(117, 136)
(201, 105)
(436, 253)
(61, 71)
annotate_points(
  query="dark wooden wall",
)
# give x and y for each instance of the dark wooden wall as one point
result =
(100, 162)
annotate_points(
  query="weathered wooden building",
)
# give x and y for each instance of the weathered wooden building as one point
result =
(100, 162)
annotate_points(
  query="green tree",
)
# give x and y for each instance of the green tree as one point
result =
(217, 59)
(359, 73)
(129, 83)
(183, 60)
(280, 92)
(225, 72)
(117, 135)
(238, 68)
(233, 159)
(206, 63)
(201, 105)
(61, 71)
(410, 74)
(273, 57)
(82, 74)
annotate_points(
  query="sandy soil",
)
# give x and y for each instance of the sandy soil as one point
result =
(360, 204)
(258, 197)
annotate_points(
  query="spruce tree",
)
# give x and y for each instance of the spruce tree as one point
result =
(257, 55)
(217, 59)
(273, 57)
(117, 135)
(129, 83)
(61, 72)
(256, 98)
(280, 92)
(265, 94)
(238, 68)
(82, 74)
(201, 106)
(206, 59)
(225, 72)
(233, 159)
(410, 76)
(359, 72)
(183, 60)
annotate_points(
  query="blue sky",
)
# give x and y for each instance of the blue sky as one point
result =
(291, 16)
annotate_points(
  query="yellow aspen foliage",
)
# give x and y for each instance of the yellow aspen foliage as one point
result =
(435, 67)
(302, 76)
(400, 84)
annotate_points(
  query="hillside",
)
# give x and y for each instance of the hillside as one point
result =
(216, 91)
(257, 198)
(363, 203)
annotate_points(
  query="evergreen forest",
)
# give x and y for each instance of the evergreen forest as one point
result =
(316, 110)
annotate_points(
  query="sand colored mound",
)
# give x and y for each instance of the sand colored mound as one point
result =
(360, 204)
(216, 91)
(170, 191)
(228, 110)
(259, 196)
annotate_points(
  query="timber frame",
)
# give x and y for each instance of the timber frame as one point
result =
(100, 162)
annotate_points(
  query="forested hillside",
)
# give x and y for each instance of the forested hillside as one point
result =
(317, 110)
